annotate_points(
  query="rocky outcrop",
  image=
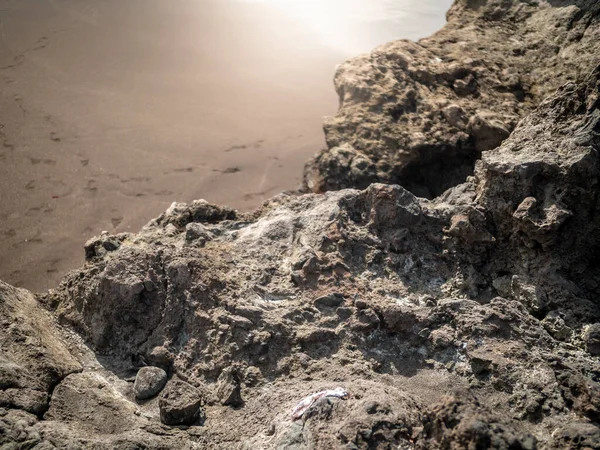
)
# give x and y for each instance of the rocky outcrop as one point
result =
(419, 114)
(469, 320)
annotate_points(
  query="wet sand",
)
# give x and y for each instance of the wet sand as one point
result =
(111, 110)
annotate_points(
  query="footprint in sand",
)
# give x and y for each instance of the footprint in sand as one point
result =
(229, 170)
(116, 221)
(136, 180)
(19, 101)
(4, 140)
(36, 239)
(17, 60)
(256, 144)
(36, 161)
(41, 43)
(91, 187)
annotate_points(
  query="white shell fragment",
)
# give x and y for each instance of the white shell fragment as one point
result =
(307, 402)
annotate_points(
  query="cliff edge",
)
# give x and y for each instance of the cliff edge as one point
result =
(419, 114)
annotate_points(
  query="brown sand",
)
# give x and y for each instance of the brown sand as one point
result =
(111, 110)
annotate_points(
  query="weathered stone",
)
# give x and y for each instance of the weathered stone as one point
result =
(34, 402)
(582, 435)
(229, 388)
(329, 301)
(591, 339)
(487, 131)
(89, 400)
(197, 233)
(180, 404)
(149, 381)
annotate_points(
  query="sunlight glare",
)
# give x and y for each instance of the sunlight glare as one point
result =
(341, 24)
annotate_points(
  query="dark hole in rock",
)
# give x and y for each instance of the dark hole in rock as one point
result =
(433, 178)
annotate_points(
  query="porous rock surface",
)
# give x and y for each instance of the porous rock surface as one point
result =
(419, 114)
(466, 321)
(149, 381)
(180, 404)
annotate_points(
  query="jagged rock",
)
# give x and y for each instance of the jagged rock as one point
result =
(99, 245)
(149, 381)
(197, 233)
(180, 404)
(591, 339)
(419, 114)
(455, 425)
(89, 401)
(33, 353)
(329, 301)
(17, 429)
(578, 435)
(34, 357)
(229, 389)
(32, 401)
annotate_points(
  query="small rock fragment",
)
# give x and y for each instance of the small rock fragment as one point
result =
(229, 389)
(487, 130)
(330, 300)
(196, 232)
(180, 404)
(149, 381)
(591, 338)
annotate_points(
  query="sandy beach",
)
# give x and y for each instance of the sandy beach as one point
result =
(112, 110)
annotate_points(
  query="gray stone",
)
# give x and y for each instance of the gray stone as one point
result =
(32, 401)
(180, 403)
(591, 339)
(149, 381)
(229, 388)
(196, 232)
(330, 300)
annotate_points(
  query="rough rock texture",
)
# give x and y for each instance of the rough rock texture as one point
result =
(180, 404)
(149, 381)
(229, 390)
(419, 114)
(466, 321)
(33, 356)
(592, 339)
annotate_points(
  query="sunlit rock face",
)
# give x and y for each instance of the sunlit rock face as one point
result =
(477, 309)
(420, 113)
